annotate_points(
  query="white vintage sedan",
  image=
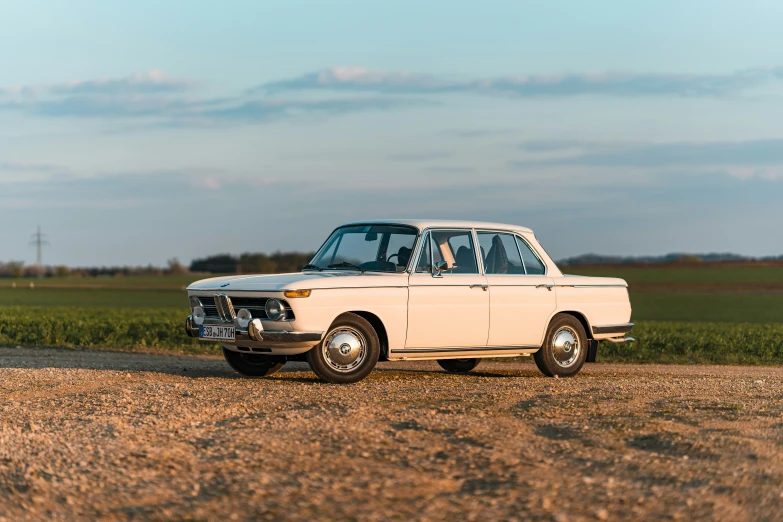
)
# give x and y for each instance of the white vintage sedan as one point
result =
(451, 291)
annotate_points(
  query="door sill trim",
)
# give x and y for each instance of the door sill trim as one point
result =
(480, 349)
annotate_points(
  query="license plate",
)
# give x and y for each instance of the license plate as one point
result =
(222, 333)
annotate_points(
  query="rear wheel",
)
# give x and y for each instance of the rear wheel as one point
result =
(565, 348)
(348, 352)
(253, 365)
(458, 365)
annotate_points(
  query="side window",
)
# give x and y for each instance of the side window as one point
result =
(533, 265)
(423, 266)
(500, 254)
(456, 248)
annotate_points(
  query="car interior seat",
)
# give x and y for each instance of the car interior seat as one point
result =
(465, 263)
(403, 256)
(496, 261)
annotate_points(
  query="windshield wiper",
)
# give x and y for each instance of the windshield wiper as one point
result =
(310, 266)
(347, 265)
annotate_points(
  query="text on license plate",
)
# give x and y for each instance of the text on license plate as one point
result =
(224, 333)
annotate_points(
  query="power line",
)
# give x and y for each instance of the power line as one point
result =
(39, 241)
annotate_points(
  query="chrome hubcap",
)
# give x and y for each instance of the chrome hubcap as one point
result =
(565, 346)
(344, 349)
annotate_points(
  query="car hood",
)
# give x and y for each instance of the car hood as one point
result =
(300, 280)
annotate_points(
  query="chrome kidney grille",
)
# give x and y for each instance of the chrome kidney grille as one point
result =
(225, 308)
(214, 306)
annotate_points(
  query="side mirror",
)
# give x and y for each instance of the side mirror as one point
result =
(440, 267)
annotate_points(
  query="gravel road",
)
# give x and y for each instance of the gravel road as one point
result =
(115, 436)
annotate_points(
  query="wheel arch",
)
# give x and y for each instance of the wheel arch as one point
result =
(379, 328)
(579, 316)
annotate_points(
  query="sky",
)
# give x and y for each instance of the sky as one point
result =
(136, 132)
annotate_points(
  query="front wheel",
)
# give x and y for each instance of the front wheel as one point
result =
(458, 365)
(565, 348)
(348, 352)
(253, 365)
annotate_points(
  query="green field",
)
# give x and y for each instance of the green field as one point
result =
(718, 275)
(688, 314)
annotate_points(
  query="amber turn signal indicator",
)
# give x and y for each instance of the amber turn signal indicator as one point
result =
(297, 293)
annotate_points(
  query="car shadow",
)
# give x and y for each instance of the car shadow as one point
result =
(199, 366)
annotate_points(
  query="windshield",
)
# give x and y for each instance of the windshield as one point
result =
(371, 248)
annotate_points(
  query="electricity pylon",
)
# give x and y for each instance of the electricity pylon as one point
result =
(39, 241)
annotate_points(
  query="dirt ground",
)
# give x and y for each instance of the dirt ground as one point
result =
(116, 436)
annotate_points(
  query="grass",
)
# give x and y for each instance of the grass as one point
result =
(685, 274)
(708, 307)
(161, 329)
(704, 343)
(673, 326)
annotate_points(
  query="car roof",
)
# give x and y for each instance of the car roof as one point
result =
(441, 223)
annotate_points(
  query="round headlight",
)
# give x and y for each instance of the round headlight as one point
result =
(243, 318)
(199, 315)
(274, 310)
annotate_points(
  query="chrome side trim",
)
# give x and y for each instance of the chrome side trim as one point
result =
(614, 329)
(480, 349)
(592, 286)
(206, 292)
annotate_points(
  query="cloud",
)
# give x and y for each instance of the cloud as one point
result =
(655, 155)
(480, 133)
(151, 82)
(451, 170)
(421, 156)
(774, 173)
(162, 99)
(267, 110)
(166, 100)
(27, 166)
(555, 85)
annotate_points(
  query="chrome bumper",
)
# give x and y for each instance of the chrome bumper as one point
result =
(618, 329)
(267, 336)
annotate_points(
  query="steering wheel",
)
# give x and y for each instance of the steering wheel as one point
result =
(388, 259)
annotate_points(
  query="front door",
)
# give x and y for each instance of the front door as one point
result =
(448, 308)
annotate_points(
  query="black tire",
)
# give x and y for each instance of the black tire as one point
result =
(348, 352)
(565, 348)
(458, 365)
(253, 365)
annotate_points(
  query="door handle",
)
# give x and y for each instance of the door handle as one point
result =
(548, 287)
(483, 287)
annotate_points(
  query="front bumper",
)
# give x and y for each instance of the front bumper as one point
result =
(271, 341)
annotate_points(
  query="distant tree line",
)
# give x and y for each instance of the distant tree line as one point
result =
(17, 269)
(249, 263)
(676, 258)
(282, 262)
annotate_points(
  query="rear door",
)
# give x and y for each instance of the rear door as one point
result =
(521, 295)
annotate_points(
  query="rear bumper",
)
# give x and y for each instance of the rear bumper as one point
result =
(617, 329)
(271, 341)
(613, 334)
